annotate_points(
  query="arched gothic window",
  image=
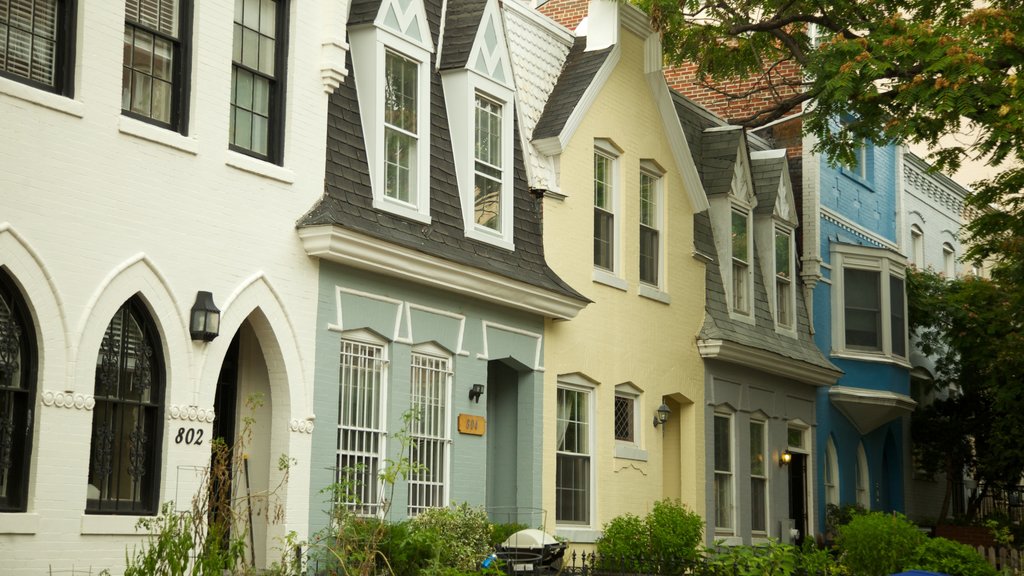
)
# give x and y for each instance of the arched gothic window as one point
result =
(124, 462)
(17, 395)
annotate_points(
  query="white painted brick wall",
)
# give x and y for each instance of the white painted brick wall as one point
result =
(79, 198)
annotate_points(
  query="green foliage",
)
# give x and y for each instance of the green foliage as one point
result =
(772, 559)
(174, 536)
(667, 539)
(464, 530)
(949, 557)
(877, 543)
(501, 532)
(836, 516)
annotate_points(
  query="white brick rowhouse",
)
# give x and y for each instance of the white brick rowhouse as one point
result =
(100, 207)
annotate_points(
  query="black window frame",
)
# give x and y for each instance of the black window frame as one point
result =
(180, 74)
(278, 91)
(15, 499)
(149, 487)
(64, 54)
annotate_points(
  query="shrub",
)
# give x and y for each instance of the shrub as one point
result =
(666, 540)
(949, 557)
(464, 532)
(501, 532)
(877, 543)
(771, 559)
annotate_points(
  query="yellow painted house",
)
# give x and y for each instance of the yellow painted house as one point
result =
(619, 192)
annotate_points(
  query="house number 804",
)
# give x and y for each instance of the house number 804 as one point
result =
(190, 436)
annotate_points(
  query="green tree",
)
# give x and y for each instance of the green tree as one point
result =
(909, 71)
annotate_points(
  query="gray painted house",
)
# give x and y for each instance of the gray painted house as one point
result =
(434, 288)
(762, 367)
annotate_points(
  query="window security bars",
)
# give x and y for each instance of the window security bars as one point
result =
(429, 430)
(360, 427)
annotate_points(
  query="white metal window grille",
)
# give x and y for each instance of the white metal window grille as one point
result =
(400, 125)
(488, 152)
(28, 39)
(740, 263)
(649, 242)
(783, 279)
(624, 412)
(429, 431)
(758, 478)
(360, 426)
(604, 214)
(152, 43)
(572, 466)
(724, 497)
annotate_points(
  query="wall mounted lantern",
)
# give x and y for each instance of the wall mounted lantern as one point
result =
(476, 392)
(204, 325)
(661, 416)
(785, 458)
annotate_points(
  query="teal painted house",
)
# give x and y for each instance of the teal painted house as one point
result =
(433, 289)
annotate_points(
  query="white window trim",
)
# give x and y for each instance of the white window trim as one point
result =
(725, 530)
(613, 277)
(369, 46)
(730, 286)
(948, 260)
(625, 449)
(863, 478)
(887, 264)
(917, 246)
(831, 468)
(652, 169)
(767, 252)
(579, 384)
(461, 88)
(763, 421)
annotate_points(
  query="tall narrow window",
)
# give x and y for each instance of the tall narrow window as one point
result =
(17, 396)
(604, 212)
(257, 78)
(488, 152)
(572, 466)
(898, 322)
(863, 309)
(650, 222)
(151, 78)
(724, 496)
(916, 246)
(740, 262)
(429, 431)
(863, 490)
(124, 460)
(35, 43)
(361, 417)
(400, 127)
(625, 418)
(831, 474)
(758, 478)
(783, 279)
(948, 260)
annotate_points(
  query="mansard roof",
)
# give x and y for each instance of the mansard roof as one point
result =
(461, 22)
(721, 150)
(348, 199)
(578, 73)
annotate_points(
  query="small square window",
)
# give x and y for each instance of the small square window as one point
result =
(624, 418)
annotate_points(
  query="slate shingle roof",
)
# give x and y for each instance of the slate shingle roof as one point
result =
(363, 11)
(709, 157)
(765, 173)
(461, 22)
(577, 74)
(348, 198)
(720, 152)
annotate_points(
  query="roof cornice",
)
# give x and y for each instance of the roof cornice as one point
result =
(767, 361)
(344, 246)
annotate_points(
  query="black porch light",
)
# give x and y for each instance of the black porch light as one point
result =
(661, 416)
(476, 392)
(204, 325)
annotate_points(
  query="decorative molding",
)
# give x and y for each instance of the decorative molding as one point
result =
(852, 228)
(301, 426)
(332, 70)
(190, 413)
(68, 399)
(769, 362)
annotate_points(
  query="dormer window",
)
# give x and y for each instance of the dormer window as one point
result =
(783, 277)
(390, 59)
(488, 188)
(742, 286)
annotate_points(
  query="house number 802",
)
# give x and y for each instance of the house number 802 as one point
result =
(190, 436)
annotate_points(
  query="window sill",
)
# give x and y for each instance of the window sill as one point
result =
(760, 539)
(630, 453)
(489, 237)
(654, 294)
(56, 102)
(581, 535)
(158, 135)
(401, 209)
(879, 357)
(609, 279)
(259, 167)
(728, 540)
(19, 523)
(110, 524)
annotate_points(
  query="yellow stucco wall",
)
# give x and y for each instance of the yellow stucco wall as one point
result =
(622, 336)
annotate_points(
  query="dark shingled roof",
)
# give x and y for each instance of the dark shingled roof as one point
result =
(348, 199)
(363, 12)
(461, 22)
(719, 154)
(717, 323)
(577, 74)
(766, 172)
